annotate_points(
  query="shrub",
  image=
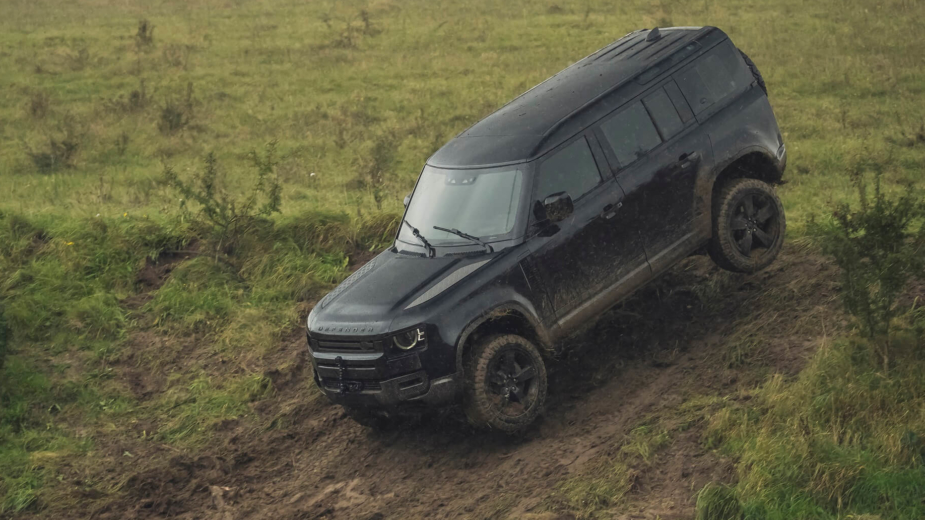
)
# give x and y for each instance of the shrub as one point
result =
(229, 219)
(879, 246)
(374, 166)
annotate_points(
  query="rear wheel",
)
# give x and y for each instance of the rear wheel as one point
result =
(505, 383)
(748, 226)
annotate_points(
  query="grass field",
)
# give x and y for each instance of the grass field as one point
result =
(100, 96)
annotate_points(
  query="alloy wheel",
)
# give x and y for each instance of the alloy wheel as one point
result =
(754, 223)
(510, 381)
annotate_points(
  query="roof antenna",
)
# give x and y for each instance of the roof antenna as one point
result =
(653, 35)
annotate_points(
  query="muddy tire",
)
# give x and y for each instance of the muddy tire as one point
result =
(748, 226)
(755, 72)
(505, 386)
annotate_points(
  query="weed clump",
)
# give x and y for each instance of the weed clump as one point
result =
(353, 31)
(136, 100)
(39, 104)
(78, 60)
(176, 114)
(58, 153)
(915, 136)
(59, 149)
(880, 246)
(177, 55)
(144, 36)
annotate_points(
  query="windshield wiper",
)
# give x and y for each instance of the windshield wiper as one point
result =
(488, 248)
(431, 252)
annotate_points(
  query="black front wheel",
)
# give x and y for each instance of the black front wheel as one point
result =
(748, 226)
(505, 383)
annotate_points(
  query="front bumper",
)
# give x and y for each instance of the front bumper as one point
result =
(403, 390)
(366, 372)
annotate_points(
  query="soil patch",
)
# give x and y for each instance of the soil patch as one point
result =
(156, 270)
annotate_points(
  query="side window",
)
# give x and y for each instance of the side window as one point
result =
(712, 77)
(663, 113)
(571, 170)
(631, 133)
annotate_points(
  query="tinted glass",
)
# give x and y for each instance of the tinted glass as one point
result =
(663, 113)
(571, 170)
(712, 77)
(631, 134)
(482, 203)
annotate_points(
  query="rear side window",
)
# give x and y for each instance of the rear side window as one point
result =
(631, 134)
(712, 77)
(663, 113)
(571, 170)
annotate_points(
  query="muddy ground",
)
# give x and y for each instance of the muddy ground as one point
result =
(695, 332)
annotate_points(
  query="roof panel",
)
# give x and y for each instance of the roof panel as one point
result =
(527, 120)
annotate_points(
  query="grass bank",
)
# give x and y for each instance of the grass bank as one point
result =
(82, 298)
(843, 439)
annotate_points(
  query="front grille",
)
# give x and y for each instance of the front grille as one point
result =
(334, 384)
(346, 347)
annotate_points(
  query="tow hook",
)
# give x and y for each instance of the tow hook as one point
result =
(341, 369)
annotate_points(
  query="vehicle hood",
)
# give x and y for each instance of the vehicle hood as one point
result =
(369, 299)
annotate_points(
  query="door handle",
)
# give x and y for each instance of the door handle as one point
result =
(610, 210)
(688, 159)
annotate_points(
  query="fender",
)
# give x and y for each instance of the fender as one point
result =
(524, 308)
(722, 165)
(703, 198)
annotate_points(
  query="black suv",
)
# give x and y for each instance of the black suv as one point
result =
(546, 213)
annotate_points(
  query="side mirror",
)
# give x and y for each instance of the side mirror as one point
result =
(407, 199)
(558, 207)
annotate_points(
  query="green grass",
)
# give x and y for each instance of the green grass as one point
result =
(90, 115)
(717, 501)
(844, 438)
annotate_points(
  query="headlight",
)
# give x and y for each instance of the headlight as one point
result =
(409, 339)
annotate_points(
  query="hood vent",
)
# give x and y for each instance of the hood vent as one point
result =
(349, 281)
(447, 282)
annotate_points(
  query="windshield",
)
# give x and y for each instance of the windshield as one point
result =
(480, 202)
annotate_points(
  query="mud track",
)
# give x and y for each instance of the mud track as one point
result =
(667, 344)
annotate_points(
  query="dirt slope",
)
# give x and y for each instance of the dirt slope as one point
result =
(696, 332)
